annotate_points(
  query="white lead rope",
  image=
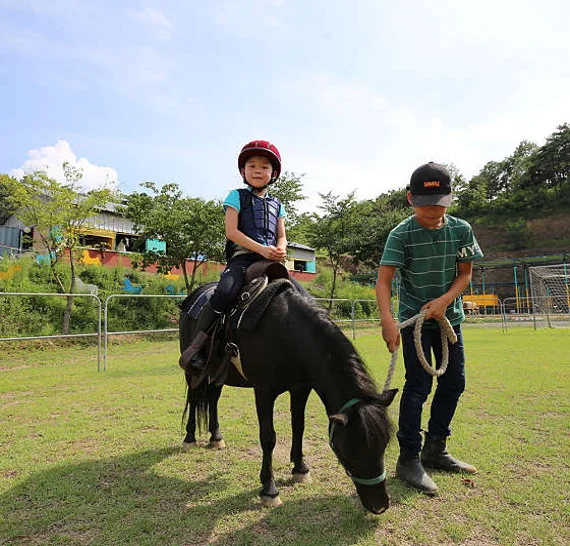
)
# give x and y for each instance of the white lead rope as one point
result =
(447, 334)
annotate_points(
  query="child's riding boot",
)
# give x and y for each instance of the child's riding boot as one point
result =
(197, 350)
(435, 455)
(410, 470)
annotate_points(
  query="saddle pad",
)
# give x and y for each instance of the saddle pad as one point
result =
(196, 307)
(250, 317)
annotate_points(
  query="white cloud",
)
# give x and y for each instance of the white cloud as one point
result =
(51, 159)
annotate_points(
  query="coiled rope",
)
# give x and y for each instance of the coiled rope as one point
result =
(447, 334)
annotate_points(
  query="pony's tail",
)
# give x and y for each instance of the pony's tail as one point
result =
(197, 400)
(202, 406)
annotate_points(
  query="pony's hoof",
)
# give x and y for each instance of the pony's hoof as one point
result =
(299, 477)
(217, 444)
(187, 446)
(271, 502)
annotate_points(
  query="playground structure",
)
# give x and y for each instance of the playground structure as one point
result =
(129, 287)
(171, 289)
(86, 259)
(473, 303)
(46, 259)
(10, 272)
(508, 280)
(550, 289)
(86, 288)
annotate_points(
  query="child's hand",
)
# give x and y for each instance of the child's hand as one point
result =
(391, 335)
(268, 252)
(436, 308)
(281, 253)
(274, 253)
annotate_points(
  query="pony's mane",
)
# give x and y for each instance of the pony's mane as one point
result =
(373, 415)
(344, 353)
(375, 420)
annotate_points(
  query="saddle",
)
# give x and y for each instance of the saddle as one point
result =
(263, 280)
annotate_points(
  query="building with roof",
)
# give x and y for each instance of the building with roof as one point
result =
(107, 238)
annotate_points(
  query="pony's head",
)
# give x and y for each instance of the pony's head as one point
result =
(359, 434)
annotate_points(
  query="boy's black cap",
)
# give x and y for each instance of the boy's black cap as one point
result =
(430, 184)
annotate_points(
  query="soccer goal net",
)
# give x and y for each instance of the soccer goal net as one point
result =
(550, 291)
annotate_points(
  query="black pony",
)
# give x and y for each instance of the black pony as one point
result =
(296, 347)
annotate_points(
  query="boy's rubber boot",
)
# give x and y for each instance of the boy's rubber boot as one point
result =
(410, 470)
(435, 455)
(195, 354)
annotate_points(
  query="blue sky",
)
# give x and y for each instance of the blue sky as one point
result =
(355, 94)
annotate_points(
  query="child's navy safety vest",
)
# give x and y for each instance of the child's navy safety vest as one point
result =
(257, 219)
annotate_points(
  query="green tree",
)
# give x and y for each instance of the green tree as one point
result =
(518, 198)
(516, 166)
(6, 207)
(550, 166)
(394, 199)
(502, 188)
(471, 198)
(300, 231)
(336, 231)
(191, 227)
(288, 189)
(58, 212)
(375, 219)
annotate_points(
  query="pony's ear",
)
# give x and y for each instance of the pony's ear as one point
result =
(387, 397)
(339, 418)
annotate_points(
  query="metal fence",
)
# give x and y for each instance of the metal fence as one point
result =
(508, 313)
(106, 331)
(535, 310)
(60, 336)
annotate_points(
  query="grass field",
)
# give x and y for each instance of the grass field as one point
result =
(91, 458)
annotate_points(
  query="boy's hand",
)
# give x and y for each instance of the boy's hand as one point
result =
(436, 308)
(391, 334)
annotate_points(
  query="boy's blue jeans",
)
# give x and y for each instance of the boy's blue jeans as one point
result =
(418, 386)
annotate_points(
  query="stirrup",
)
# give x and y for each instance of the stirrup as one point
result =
(197, 345)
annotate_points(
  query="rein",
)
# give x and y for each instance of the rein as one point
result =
(355, 479)
(447, 334)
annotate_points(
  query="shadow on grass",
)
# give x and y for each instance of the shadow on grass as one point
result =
(126, 500)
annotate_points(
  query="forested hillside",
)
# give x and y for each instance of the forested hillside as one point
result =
(535, 237)
(522, 203)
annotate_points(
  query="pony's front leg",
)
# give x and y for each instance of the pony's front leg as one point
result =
(264, 403)
(299, 398)
(216, 439)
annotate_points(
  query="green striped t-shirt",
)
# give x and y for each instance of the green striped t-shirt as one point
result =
(427, 260)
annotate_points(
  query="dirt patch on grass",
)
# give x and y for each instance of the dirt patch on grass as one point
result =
(14, 368)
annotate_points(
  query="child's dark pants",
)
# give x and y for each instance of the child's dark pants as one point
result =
(231, 281)
(418, 386)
